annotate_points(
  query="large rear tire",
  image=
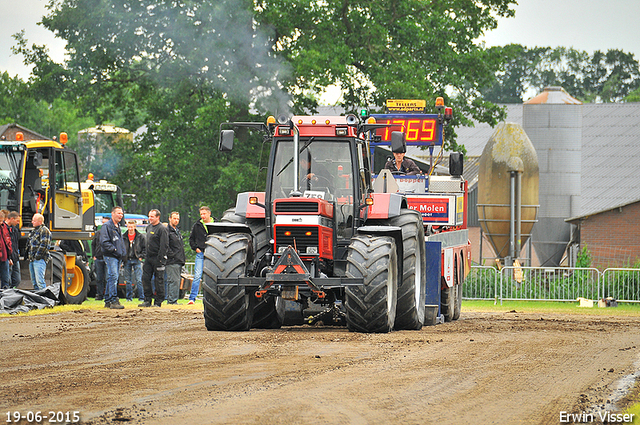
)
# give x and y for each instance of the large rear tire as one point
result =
(265, 315)
(413, 287)
(76, 292)
(372, 306)
(226, 308)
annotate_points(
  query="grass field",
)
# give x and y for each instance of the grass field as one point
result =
(630, 309)
(92, 304)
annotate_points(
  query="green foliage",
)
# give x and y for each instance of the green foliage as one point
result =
(177, 70)
(537, 284)
(584, 257)
(381, 50)
(597, 77)
(17, 105)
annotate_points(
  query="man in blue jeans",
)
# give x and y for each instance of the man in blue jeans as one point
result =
(98, 262)
(114, 251)
(38, 251)
(197, 241)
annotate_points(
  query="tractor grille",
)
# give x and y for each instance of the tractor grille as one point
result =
(288, 207)
(299, 235)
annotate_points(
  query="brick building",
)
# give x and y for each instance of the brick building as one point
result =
(8, 132)
(612, 236)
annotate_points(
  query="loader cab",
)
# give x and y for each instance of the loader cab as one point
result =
(11, 155)
(51, 186)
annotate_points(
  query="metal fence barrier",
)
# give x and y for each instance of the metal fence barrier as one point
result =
(551, 284)
(481, 283)
(621, 284)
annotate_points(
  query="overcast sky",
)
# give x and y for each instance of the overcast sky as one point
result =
(583, 24)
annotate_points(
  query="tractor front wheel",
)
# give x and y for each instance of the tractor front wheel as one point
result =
(372, 307)
(226, 308)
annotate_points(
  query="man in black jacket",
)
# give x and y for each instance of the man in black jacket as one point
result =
(114, 251)
(175, 258)
(156, 260)
(136, 251)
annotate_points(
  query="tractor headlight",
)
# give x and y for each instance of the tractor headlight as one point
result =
(312, 250)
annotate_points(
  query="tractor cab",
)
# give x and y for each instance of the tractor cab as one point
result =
(317, 183)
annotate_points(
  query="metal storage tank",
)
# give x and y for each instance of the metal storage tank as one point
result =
(553, 122)
(507, 150)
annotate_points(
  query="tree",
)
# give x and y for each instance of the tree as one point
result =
(600, 77)
(182, 68)
(388, 49)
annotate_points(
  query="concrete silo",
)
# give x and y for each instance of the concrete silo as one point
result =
(553, 122)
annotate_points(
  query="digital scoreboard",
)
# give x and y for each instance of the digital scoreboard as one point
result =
(420, 129)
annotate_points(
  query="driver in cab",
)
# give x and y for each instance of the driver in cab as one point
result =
(401, 165)
(316, 174)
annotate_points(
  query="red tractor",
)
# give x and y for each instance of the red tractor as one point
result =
(318, 243)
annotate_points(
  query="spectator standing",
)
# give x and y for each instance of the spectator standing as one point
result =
(99, 265)
(157, 237)
(175, 258)
(13, 221)
(197, 241)
(114, 251)
(136, 252)
(38, 251)
(5, 251)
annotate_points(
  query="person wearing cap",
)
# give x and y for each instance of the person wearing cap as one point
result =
(402, 165)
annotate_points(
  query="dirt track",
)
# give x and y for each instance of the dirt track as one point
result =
(160, 366)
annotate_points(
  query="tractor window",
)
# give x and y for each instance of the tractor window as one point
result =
(104, 201)
(9, 172)
(325, 171)
(67, 172)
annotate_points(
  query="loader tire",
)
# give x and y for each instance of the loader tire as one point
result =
(413, 287)
(372, 307)
(78, 289)
(226, 308)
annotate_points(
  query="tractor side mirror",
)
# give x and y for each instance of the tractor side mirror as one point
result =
(36, 158)
(456, 161)
(226, 140)
(398, 142)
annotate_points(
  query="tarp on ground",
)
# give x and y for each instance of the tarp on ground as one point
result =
(14, 301)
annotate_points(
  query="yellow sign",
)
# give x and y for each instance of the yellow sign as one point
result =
(460, 210)
(406, 105)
